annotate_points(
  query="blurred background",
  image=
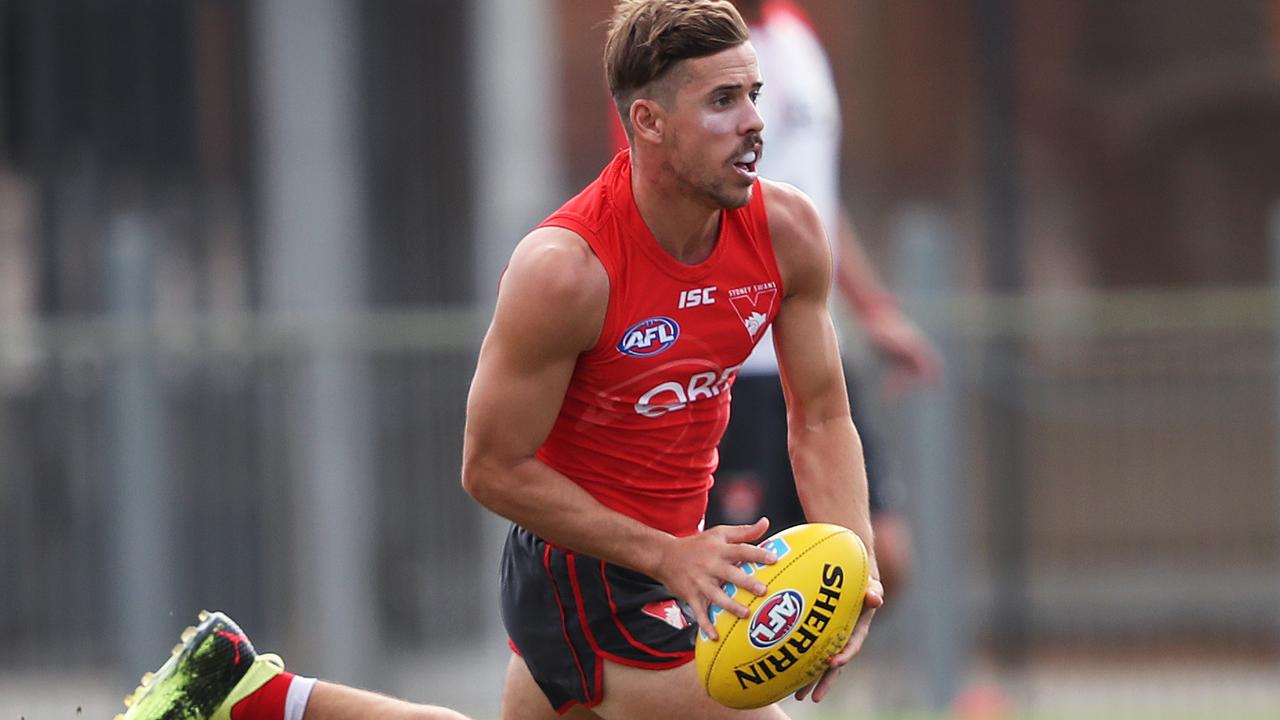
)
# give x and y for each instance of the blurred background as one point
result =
(248, 249)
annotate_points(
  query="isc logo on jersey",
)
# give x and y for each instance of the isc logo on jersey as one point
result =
(649, 337)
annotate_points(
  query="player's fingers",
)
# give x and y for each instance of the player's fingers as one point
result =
(818, 688)
(744, 553)
(850, 649)
(746, 533)
(861, 628)
(703, 619)
(721, 598)
(747, 582)
(824, 684)
(856, 638)
(738, 555)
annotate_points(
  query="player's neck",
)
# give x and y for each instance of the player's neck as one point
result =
(685, 226)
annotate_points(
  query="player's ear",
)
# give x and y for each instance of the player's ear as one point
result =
(648, 120)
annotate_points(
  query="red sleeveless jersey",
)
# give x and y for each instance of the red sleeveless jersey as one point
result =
(646, 407)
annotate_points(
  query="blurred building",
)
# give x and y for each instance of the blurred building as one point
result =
(140, 123)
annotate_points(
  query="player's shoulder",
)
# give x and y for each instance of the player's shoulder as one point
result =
(553, 269)
(793, 216)
(799, 238)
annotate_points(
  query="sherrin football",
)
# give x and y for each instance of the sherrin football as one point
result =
(814, 596)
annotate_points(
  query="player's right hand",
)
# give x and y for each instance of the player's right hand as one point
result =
(873, 601)
(695, 568)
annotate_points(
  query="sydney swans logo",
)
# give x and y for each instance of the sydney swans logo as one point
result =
(753, 304)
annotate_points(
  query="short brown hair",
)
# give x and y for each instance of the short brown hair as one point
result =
(647, 38)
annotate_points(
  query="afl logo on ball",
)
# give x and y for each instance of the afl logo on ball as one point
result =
(776, 618)
(649, 337)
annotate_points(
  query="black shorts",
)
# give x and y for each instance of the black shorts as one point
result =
(566, 612)
(754, 477)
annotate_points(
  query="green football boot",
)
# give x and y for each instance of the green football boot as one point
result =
(212, 669)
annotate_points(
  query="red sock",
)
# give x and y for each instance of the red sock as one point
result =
(265, 703)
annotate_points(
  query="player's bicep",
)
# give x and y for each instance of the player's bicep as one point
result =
(804, 336)
(809, 361)
(515, 396)
(549, 310)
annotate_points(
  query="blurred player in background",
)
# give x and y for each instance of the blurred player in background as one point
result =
(801, 113)
(601, 391)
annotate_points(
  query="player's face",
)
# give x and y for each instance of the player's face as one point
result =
(715, 128)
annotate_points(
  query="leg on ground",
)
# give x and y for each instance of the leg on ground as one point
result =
(337, 702)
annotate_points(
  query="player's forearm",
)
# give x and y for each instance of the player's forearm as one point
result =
(831, 477)
(558, 510)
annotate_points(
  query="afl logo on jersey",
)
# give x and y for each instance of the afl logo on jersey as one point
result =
(649, 337)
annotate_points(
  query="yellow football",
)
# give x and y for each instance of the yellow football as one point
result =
(814, 596)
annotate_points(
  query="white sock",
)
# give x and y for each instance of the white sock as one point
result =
(295, 703)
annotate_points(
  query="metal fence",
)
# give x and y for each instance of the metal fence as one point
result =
(221, 414)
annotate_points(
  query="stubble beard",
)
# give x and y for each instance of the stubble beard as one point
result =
(728, 202)
(721, 192)
(718, 190)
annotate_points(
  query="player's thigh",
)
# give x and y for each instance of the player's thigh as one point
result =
(522, 699)
(676, 693)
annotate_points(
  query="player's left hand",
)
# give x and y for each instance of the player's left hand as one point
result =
(873, 600)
